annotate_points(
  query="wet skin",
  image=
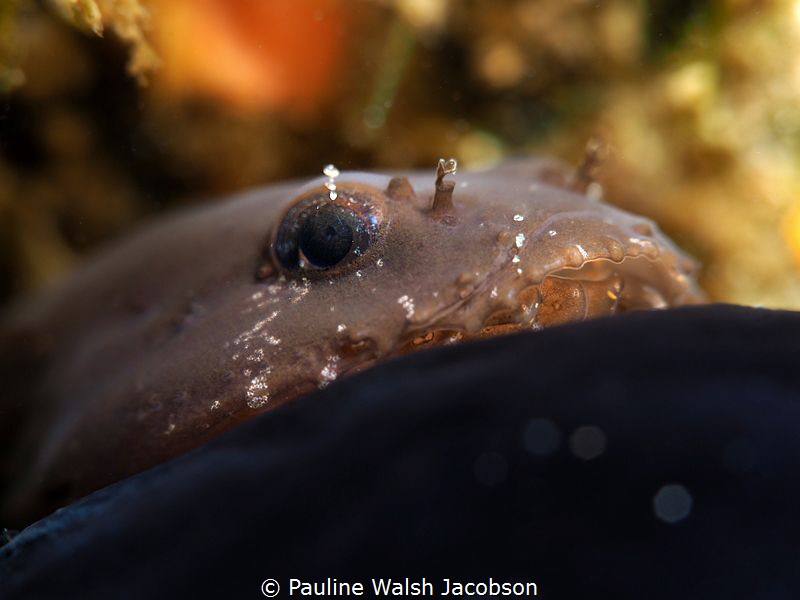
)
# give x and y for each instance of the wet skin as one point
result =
(205, 319)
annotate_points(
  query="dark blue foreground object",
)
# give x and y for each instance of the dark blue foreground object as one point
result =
(655, 455)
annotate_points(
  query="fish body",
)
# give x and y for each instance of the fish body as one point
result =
(206, 318)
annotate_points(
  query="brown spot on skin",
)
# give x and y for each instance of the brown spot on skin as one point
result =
(534, 274)
(465, 278)
(649, 249)
(615, 250)
(688, 266)
(573, 257)
(112, 382)
(423, 339)
(465, 284)
(400, 189)
(265, 271)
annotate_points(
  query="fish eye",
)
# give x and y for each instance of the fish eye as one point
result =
(321, 231)
(326, 236)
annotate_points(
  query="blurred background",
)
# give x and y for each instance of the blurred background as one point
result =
(114, 110)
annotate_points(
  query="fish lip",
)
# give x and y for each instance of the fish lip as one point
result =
(491, 317)
(481, 308)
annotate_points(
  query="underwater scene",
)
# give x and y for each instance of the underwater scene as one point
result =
(399, 298)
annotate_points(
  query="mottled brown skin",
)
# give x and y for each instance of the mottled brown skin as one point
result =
(191, 326)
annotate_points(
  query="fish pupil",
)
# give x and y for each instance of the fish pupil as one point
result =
(326, 237)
